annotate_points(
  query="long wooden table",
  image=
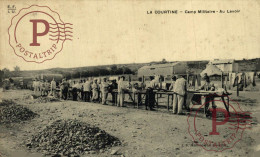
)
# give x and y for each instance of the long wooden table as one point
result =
(214, 94)
(170, 94)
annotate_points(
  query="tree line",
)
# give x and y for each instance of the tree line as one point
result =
(76, 73)
(112, 70)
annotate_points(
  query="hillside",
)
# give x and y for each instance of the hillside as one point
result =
(118, 69)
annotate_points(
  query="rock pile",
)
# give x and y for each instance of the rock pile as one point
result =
(46, 99)
(6, 102)
(10, 113)
(71, 138)
(43, 99)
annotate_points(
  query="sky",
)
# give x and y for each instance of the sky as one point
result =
(118, 32)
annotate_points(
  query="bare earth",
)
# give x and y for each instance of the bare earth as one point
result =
(142, 133)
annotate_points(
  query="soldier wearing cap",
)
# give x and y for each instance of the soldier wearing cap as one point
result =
(180, 88)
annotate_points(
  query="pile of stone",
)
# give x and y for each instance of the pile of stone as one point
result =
(13, 113)
(46, 99)
(43, 99)
(6, 102)
(71, 138)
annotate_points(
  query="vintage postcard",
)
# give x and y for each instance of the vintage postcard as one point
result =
(131, 78)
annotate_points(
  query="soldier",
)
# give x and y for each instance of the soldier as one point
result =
(87, 90)
(42, 87)
(112, 87)
(81, 89)
(208, 86)
(95, 91)
(104, 90)
(64, 89)
(62, 86)
(121, 95)
(53, 88)
(47, 87)
(150, 95)
(75, 90)
(172, 83)
(180, 88)
(37, 87)
(99, 91)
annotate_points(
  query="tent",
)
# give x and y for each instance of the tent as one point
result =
(211, 70)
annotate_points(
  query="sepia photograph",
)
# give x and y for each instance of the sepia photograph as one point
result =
(132, 78)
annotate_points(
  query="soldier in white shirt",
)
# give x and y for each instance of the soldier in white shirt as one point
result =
(53, 88)
(95, 91)
(104, 90)
(42, 87)
(87, 90)
(180, 88)
(121, 95)
(75, 90)
(150, 95)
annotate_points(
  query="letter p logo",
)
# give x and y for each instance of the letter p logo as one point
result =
(36, 34)
(214, 120)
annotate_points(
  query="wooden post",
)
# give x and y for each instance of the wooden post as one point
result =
(226, 82)
(244, 76)
(222, 80)
(237, 88)
(160, 82)
(188, 81)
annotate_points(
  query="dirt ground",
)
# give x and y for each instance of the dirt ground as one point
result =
(142, 133)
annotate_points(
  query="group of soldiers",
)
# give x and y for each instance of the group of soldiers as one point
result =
(44, 87)
(97, 90)
(89, 90)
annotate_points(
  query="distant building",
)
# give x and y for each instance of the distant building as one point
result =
(162, 69)
(225, 65)
(170, 69)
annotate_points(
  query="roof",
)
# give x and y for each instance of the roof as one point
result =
(222, 61)
(163, 69)
(159, 65)
(211, 70)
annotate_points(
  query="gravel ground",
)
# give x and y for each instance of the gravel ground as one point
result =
(142, 133)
